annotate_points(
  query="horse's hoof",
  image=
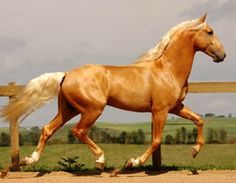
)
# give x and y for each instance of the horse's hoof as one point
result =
(115, 172)
(26, 161)
(194, 152)
(23, 162)
(4, 173)
(129, 163)
(100, 166)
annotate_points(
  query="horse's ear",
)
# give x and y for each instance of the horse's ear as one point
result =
(202, 19)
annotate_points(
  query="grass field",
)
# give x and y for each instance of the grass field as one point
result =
(220, 156)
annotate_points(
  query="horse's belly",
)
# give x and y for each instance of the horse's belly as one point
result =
(130, 104)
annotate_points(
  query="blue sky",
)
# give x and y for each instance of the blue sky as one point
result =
(57, 35)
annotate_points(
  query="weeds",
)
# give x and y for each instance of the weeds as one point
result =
(70, 164)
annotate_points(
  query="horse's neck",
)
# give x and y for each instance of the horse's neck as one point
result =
(179, 58)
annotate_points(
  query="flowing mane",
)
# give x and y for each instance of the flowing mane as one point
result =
(156, 52)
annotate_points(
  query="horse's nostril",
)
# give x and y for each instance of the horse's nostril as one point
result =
(224, 56)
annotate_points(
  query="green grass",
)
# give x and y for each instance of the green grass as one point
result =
(220, 156)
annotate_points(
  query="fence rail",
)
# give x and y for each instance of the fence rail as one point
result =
(12, 91)
(212, 87)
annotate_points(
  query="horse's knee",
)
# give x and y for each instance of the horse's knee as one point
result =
(46, 133)
(79, 133)
(199, 122)
(156, 143)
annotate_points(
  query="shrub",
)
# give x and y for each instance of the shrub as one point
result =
(169, 139)
(70, 164)
(4, 139)
(70, 137)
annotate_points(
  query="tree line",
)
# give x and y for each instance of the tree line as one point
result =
(105, 135)
(183, 136)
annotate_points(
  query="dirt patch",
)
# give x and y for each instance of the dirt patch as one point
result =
(165, 177)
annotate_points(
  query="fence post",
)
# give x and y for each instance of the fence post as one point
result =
(14, 133)
(156, 157)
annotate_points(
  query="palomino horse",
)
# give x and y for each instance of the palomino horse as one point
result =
(157, 82)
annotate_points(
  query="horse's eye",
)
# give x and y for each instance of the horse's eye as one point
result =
(210, 32)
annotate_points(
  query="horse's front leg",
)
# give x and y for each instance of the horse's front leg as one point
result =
(158, 120)
(186, 113)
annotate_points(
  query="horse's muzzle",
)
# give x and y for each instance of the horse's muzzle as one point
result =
(219, 57)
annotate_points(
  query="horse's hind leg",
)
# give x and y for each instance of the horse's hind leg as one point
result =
(186, 113)
(88, 118)
(65, 113)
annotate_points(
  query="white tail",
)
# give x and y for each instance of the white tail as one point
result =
(39, 91)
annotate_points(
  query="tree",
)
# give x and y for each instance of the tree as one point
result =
(134, 137)
(177, 136)
(169, 139)
(195, 134)
(223, 135)
(34, 135)
(212, 136)
(190, 138)
(209, 135)
(141, 136)
(21, 140)
(123, 137)
(70, 137)
(183, 135)
(209, 115)
(4, 139)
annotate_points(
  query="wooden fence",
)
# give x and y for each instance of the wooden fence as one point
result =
(11, 90)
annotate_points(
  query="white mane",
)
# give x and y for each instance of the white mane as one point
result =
(156, 52)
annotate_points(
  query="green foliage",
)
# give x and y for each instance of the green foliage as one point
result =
(216, 136)
(104, 135)
(30, 136)
(4, 139)
(21, 140)
(223, 135)
(71, 137)
(182, 136)
(169, 139)
(69, 164)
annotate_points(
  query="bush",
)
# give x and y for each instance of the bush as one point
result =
(223, 135)
(169, 139)
(135, 137)
(70, 137)
(4, 139)
(216, 136)
(181, 135)
(70, 164)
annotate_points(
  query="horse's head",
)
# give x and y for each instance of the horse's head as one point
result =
(205, 40)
